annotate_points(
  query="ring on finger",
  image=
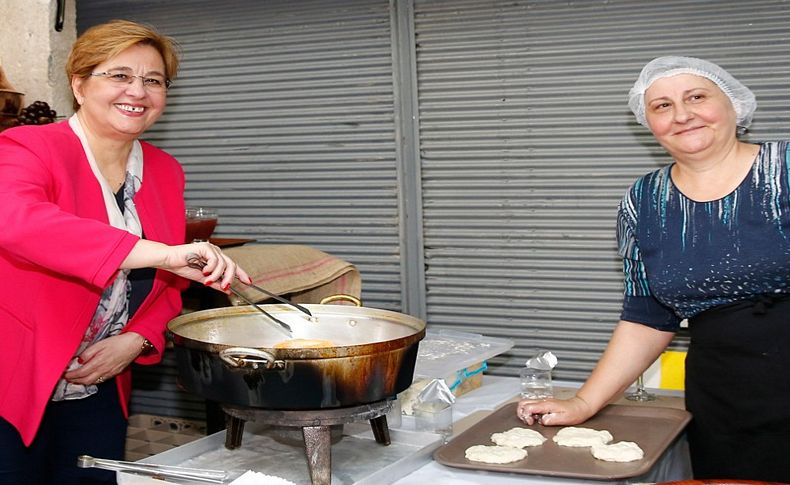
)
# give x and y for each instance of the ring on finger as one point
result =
(100, 380)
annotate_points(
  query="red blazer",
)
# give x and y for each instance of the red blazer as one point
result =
(58, 252)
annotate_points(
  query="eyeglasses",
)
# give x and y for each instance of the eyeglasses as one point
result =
(150, 83)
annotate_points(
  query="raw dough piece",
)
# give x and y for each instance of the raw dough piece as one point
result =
(518, 438)
(495, 454)
(621, 451)
(572, 436)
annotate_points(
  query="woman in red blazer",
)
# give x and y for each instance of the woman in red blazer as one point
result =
(92, 259)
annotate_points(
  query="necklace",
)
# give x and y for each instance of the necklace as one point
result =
(114, 172)
(115, 177)
(115, 185)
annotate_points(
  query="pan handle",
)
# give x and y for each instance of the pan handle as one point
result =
(340, 297)
(251, 358)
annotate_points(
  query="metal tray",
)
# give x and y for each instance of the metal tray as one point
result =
(652, 428)
(356, 459)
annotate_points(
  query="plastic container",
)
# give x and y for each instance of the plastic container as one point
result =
(457, 357)
(434, 417)
(395, 414)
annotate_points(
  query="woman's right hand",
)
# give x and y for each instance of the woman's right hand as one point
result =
(554, 412)
(216, 270)
(631, 350)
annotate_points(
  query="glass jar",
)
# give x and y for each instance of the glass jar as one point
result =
(536, 383)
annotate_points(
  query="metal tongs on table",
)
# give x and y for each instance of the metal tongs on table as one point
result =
(163, 472)
(196, 262)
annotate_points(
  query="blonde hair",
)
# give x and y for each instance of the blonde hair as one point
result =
(107, 40)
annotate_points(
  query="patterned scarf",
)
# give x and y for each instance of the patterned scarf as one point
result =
(112, 313)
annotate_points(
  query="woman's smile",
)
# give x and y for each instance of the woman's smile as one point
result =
(136, 110)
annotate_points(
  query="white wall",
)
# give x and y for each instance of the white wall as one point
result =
(33, 53)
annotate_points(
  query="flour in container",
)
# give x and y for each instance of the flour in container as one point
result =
(435, 349)
(254, 478)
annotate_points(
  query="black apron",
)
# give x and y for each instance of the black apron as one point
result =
(738, 391)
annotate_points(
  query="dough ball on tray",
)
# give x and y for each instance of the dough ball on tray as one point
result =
(621, 452)
(518, 438)
(581, 437)
(495, 454)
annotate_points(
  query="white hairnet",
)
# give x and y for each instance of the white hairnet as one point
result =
(742, 98)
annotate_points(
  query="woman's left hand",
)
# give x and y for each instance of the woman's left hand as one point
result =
(105, 359)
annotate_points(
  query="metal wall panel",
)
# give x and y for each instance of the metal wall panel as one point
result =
(527, 146)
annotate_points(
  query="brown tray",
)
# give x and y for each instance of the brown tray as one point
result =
(652, 428)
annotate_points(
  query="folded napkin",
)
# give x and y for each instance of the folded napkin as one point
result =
(302, 273)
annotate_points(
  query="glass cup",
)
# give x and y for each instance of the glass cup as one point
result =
(434, 417)
(395, 414)
(536, 383)
(201, 222)
(641, 393)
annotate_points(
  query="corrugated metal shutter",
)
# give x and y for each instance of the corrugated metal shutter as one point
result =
(527, 146)
(282, 116)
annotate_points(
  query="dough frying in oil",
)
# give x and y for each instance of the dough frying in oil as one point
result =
(304, 343)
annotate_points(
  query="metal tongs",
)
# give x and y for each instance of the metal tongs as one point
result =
(196, 262)
(162, 472)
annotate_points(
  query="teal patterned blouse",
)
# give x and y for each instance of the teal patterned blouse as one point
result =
(682, 257)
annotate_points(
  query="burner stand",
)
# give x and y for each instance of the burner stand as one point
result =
(316, 429)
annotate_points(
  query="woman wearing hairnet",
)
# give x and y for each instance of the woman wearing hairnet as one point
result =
(706, 238)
